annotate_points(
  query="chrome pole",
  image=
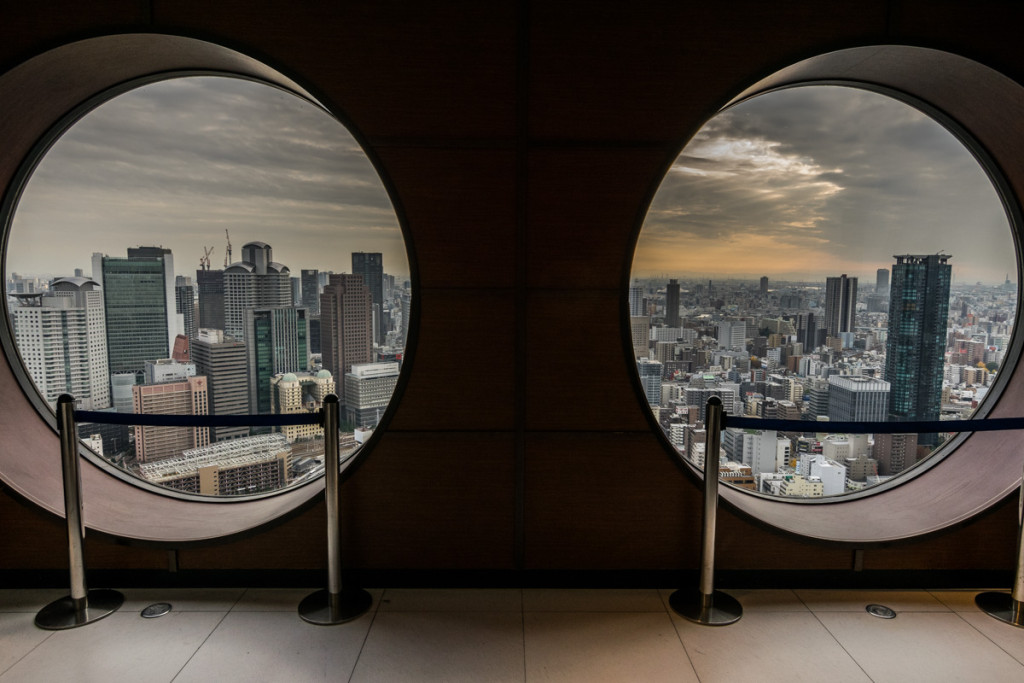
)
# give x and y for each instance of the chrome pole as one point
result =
(1009, 608)
(81, 606)
(709, 607)
(336, 604)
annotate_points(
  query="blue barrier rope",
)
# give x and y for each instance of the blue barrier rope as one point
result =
(199, 420)
(910, 427)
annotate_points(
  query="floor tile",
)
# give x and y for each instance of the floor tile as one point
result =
(182, 599)
(277, 646)
(919, 646)
(858, 600)
(452, 600)
(282, 599)
(18, 637)
(959, 600)
(271, 599)
(28, 599)
(767, 600)
(1009, 638)
(591, 600)
(442, 646)
(120, 647)
(604, 646)
(767, 647)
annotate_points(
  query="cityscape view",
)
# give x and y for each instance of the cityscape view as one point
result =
(141, 303)
(858, 313)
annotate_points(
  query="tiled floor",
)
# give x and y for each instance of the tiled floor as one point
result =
(516, 635)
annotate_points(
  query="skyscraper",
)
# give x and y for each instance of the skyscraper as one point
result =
(346, 325)
(61, 335)
(650, 377)
(371, 266)
(882, 281)
(139, 298)
(211, 299)
(916, 341)
(840, 304)
(311, 291)
(185, 306)
(257, 281)
(672, 304)
(636, 299)
(276, 341)
(763, 290)
(221, 359)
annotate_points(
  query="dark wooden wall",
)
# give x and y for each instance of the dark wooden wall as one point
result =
(522, 141)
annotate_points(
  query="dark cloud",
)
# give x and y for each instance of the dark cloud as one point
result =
(846, 176)
(177, 162)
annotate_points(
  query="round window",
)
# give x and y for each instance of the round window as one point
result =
(207, 245)
(823, 253)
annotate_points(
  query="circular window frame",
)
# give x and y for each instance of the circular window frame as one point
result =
(972, 102)
(48, 94)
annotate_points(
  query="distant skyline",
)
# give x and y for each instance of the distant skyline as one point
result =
(810, 182)
(175, 163)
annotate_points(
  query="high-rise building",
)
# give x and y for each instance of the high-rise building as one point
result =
(895, 452)
(807, 330)
(188, 397)
(311, 291)
(840, 304)
(276, 340)
(371, 266)
(763, 290)
(857, 399)
(346, 325)
(650, 378)
(61, 335)
(211, 299)
(368, 389)
(672, 304)
(221, 359)
(882, 281)
(257, 281)
(301, 392)
(916, 341)
(139, 298)
(636, 299)
(185, 306)
(732, 334)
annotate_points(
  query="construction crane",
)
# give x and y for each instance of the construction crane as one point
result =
(204, 261)
(227, 255)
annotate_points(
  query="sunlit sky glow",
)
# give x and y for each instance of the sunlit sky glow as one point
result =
(176, 163)
(810, 182)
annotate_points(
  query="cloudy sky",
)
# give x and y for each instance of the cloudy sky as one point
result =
(176, 163)
(817, 181)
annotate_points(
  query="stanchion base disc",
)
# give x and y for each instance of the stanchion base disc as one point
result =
(351, 604)
(61, 614)
(724, 609)
(1001, 606)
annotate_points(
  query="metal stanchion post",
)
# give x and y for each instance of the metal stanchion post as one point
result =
(1009, 608)
(708, 606)
(82, 606)
(336, 604)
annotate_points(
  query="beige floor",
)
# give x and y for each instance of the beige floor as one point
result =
(516, 635)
